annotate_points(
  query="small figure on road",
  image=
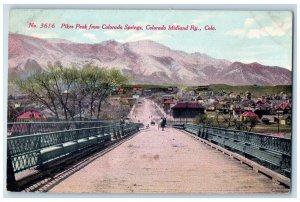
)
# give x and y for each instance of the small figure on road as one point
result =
(163, 123)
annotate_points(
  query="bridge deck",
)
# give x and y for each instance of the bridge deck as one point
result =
(166, 162)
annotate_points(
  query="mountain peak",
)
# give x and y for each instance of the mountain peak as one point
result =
(144, 61)
(56, 40)
(110, 42)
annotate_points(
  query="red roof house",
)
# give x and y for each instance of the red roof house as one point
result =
(284, 106)
(248, 114)
(168, 101)
(31, 115)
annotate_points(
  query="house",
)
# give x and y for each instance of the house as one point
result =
(202, 88)
(167, 97)
(187, 110)
(285, 107)
(199, 99)
(270, 118)
(263, 107)
(286, 119)
(247, 116)
(121, 91)
(247, 103)
(233, 95)
(167, 104)
(147, 92)
(31, 116)
(172, 89)
(137, 90)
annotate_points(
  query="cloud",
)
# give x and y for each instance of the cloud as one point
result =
(276, 29)
(91, 37)
(249, 22)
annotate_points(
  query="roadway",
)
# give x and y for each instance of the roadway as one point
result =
(169, 161)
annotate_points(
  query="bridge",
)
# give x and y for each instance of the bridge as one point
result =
(109, 157)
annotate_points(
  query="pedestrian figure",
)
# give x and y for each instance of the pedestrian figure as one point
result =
(163, 123)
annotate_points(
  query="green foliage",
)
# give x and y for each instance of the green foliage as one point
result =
(65, 90)
(265, 90)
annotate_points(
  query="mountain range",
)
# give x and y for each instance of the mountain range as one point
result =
(142, 61)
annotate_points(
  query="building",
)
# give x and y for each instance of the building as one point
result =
(121, 90)
(137, 90)
(147, 92)
(202, 88)
(187, 110)
(263, 107)
(172, 89)
(31, 116)
(285, 107)
(167, 104)
(286, 119)
(167, 97)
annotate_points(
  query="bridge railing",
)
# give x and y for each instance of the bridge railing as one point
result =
(38, 151)
(28, 128)
(272, 151)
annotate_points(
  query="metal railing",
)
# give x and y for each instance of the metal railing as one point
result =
(274, 152)
(34, 151)
(29, 128)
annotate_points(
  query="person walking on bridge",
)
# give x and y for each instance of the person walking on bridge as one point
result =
(163, 123)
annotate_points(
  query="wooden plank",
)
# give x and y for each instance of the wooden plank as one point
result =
(167, 162)
(256, 167)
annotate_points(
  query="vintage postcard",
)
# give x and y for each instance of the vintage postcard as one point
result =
(149, 101)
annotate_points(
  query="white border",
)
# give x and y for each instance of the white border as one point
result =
(187, 4)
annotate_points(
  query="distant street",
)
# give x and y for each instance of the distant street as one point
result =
(145, 111)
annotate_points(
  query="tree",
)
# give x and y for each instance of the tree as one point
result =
(39, 89)
(11, 112)
(113, 79)
(65, 90)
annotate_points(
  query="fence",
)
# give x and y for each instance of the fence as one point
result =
(28, 128)
(37, 152)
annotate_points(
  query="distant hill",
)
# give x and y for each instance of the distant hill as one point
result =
(144, 61)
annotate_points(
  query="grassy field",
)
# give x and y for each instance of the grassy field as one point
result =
(259, 90)
(263, 90)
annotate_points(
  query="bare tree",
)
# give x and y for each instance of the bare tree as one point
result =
(66, 89)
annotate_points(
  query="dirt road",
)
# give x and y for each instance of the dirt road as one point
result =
(145, 111)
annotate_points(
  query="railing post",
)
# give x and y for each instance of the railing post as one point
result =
(40, 160)
(199, 131)
(122, 130)
(11, 184)
(114, 133)
(118, 132)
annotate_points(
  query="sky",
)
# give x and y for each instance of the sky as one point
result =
(246, 36)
